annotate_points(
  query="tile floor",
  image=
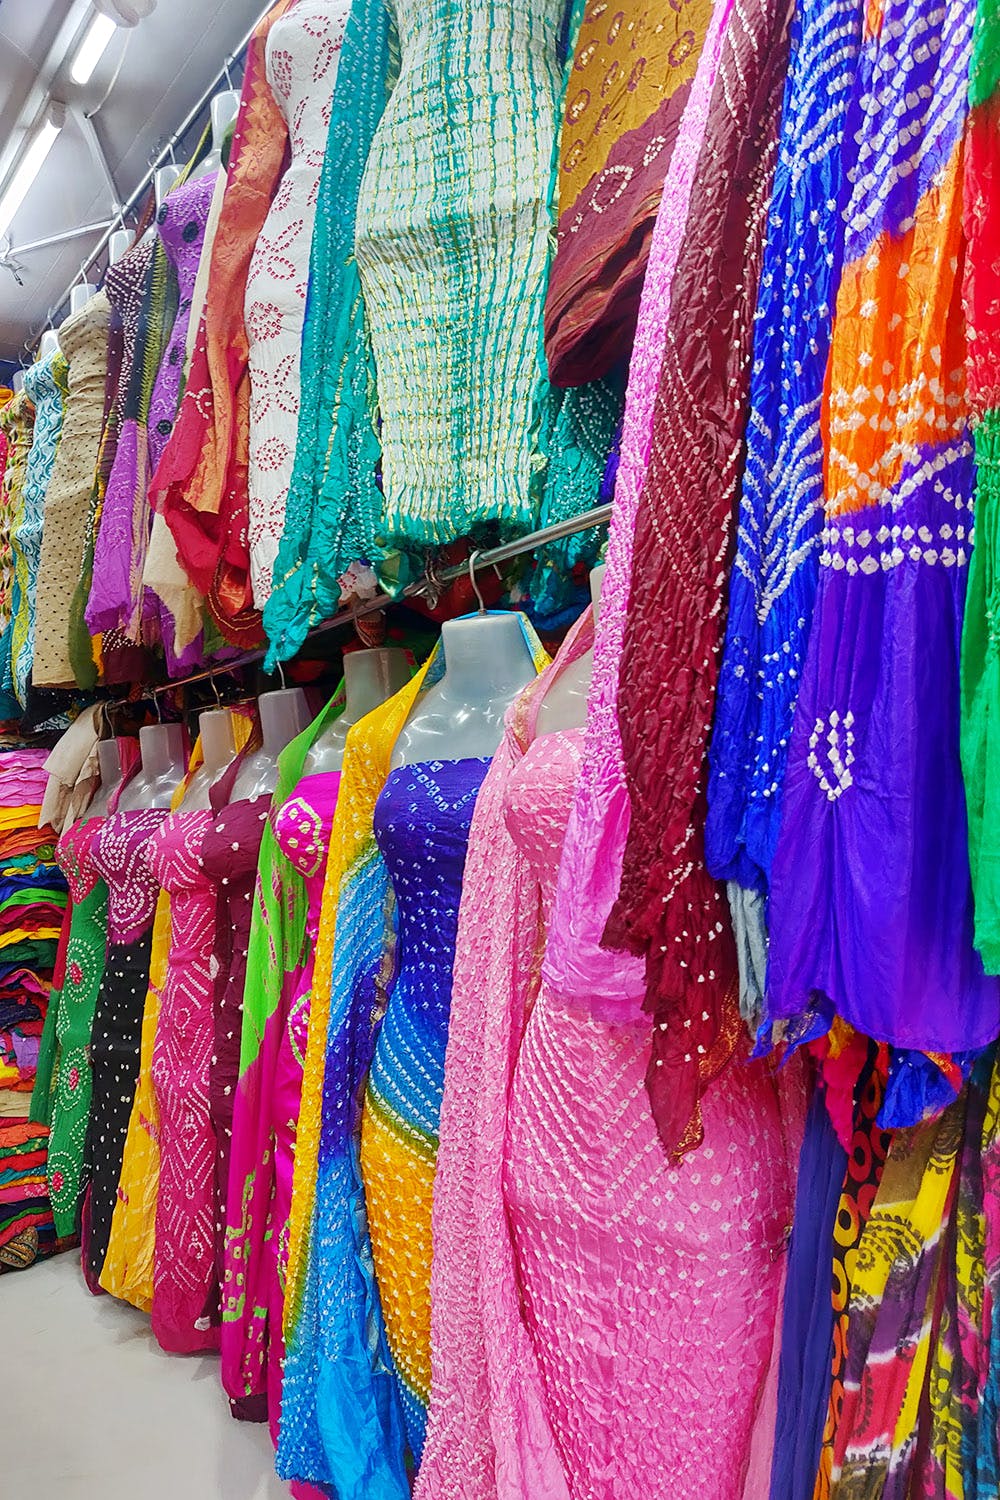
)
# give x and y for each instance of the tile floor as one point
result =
(93, 1410)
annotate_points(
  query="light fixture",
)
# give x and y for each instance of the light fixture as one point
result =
(93, 45)
(30, 165)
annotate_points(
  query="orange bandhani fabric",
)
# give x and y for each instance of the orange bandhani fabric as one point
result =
(200, 485)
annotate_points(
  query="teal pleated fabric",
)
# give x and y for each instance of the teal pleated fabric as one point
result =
(334, 501)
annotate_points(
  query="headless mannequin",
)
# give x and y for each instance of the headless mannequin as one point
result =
(119, 245)
(161, 749)
(564, 705)
(487, 663)
(17, 382)
(218, 748)
(370, 677)
(49, 344)
(224, 109)
(283, 715)
(81, 295)
(109, 758)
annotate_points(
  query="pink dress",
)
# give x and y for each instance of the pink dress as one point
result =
(602, 1322)
(184, 1258)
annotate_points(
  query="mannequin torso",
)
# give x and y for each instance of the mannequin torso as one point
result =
(218, 748)
(487, 663)
(370, 677)
(161, 747)
(564, 705)
(283, 715)
(109, 758)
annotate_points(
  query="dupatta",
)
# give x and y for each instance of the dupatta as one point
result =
(342, 1421)
(201, 481)
(488, 1433)
(275, 954)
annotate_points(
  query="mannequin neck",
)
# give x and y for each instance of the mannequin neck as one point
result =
(370, 677)
(162, 749)
(484, 658)
(283, 715)
(217, 743)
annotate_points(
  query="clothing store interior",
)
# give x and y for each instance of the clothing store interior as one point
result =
(500, 749)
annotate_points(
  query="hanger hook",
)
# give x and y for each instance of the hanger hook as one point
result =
(215, 689)
(281, 676)
(474, 581)
(156, 705)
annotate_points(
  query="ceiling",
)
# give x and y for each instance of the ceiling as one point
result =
(166, 64)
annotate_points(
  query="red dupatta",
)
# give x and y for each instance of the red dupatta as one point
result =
(200, 485)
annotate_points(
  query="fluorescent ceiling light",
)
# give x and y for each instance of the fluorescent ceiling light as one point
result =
(92, 48)
(28, 169)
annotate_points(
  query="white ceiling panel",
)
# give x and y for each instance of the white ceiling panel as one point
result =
(166, 64)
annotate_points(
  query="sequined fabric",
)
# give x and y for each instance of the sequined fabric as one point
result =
(184, 1260)
(422, 821)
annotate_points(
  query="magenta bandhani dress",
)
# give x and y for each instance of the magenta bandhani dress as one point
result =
(184, 1257)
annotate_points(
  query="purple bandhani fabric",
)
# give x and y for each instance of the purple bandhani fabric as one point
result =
(871, 902)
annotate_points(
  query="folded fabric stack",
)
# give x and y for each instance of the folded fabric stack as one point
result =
(32, 903)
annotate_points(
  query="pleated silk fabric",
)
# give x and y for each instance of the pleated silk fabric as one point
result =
(452, 249)
(83, 338)
(669, 909)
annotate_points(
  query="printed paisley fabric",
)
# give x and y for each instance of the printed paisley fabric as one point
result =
(303, 55)
(630, 77)
(873, 839)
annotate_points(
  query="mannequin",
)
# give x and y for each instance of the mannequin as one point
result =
(564, 706)
(224, 109)
(17, 382)
(161, 749)
(283, 715)
(49, 344)
(370, 677)
(487, 663)
(163, 180)
(109, 758)
(218, 747)
(81, 295)
(119, 245)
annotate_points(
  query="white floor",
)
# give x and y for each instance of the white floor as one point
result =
(93, 1410)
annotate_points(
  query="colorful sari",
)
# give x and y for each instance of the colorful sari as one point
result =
(276, 956)
(342, 1417)
(201, 483)
(980, 679)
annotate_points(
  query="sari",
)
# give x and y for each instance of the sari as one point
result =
(201, 484)
(980, 665)
(276, 955)
(342, 1417)
(669, 910)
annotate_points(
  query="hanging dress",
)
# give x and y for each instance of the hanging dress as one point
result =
(185, 1259)
(120, 856)
(303, 55)
(583, 1286)
(452, 250)
(46, 383)
(83, 339)
(17, 420)
(283, 933)
(75, 1005)
(871, 900)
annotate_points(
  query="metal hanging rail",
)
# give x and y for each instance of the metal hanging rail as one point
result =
(163, 156)
(489, 559)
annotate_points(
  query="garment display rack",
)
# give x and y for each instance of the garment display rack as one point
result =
(490, 558)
